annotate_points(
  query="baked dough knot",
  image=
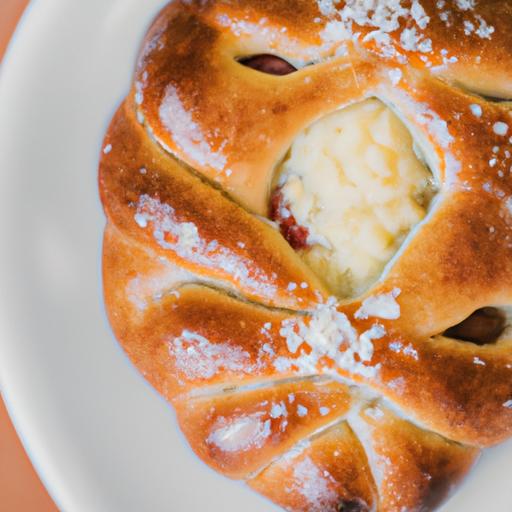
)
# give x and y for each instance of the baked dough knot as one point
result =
(318, 403)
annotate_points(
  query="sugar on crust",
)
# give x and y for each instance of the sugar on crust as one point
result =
(375, 401)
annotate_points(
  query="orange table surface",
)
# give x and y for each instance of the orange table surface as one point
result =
(20, 487)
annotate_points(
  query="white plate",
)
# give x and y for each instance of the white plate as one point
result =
(100, 437)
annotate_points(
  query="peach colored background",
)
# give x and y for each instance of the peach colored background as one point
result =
(20, 487)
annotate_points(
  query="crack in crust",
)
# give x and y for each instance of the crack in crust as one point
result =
(203, 294)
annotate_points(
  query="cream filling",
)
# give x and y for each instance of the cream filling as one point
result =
(355, 182)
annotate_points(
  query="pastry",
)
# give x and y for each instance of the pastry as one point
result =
(309, 241)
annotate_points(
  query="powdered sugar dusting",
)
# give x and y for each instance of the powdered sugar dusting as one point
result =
(476, 110)
(184, 239)
(395, 75)
(314, 485)
(302, 411)
(187, 133)
(436, 128)
(397, 384)
(383, 19)
(500, 128)
(478, 26)
(409, 350)
(465, 5)
(196, 358)
(265, 34)
(240, 434)
(328, 333)
(144, 289)
(278, 410)
(382, 306)
(395, 27)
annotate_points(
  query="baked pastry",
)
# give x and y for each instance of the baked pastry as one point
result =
(308, 247)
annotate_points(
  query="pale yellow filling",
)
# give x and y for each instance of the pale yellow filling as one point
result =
(354, 180)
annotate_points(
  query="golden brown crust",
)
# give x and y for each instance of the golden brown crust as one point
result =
(415, 469)
(147, 330)
(205, 296)
(260, 262)
(406, 467)
(325, 475)
(453, 387)
(275, 108)
(265, 423)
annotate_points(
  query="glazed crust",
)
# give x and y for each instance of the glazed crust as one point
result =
(412, 469)
(200, 287)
